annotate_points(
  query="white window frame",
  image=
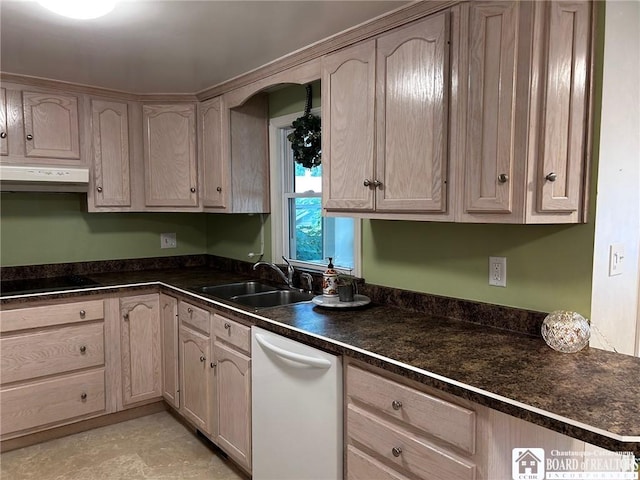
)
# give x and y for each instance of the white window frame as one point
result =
(279, 208)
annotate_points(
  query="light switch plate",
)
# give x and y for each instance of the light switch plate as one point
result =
(616, 259)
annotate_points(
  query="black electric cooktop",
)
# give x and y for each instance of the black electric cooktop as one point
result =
(43, 285)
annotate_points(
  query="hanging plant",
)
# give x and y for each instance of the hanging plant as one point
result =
(306, 138)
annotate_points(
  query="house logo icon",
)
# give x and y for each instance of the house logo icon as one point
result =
(527, 463)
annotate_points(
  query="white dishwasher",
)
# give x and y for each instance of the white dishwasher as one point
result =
(296, 410)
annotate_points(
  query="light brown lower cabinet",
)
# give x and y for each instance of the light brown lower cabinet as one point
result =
(53, 369)
(232, 405)
(398, 429)
(140, 348)
(170, 347)
(194, 364)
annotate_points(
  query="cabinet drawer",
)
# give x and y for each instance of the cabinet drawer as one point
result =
(61, 350)
(361, 466)
(437, 417)
(232, 332)
(415, 454)
(52, 400)
(48, 315)
(194, 317)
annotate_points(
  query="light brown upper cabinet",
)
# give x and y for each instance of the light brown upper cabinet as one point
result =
(215, 171)
(40, 127)
(394, 90)
(110, 131)
(4, 144)
(523, 145)
(51, 127)
(170, 162)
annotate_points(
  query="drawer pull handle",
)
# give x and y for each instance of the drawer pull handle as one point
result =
(396, 451)
(396, 404)
(83, 349)
(202, 358)
(190, 310)
(227, 325)
(83, 396)
(82, 313)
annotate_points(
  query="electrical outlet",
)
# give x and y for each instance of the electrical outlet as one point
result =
(168, 240)
(498, 271)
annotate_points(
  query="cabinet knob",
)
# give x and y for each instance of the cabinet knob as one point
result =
(202, 358)
(214, 364)
(3, 134)
(83, 396)
(552, 177)
(29, 137)
(83, 349)
(82, 313)
(190, 310)
(227, 325)
(396, 451)
(126, 316)
(219, 189)
(503, 178)
(377, 184)
(367, 182)
(193, 190)
(396, 404)
(99, 189)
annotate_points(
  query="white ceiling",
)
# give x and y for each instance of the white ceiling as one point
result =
(178, 46)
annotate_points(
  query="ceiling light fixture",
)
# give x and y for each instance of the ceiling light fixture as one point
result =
(79, 9)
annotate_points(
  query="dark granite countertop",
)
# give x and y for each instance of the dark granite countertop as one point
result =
(592, 395)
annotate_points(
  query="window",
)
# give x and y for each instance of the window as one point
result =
(301, 233)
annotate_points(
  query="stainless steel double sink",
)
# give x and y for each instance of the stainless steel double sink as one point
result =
(254, 294)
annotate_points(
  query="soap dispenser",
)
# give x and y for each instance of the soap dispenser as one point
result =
(330, 283)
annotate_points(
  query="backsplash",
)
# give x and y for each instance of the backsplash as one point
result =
(497, 316)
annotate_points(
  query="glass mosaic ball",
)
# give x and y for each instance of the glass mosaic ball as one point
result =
(566, 331)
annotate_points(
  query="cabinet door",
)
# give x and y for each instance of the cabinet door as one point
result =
(412, 97)
(169, 330)
(195, 397)
(491, 107)
(214, 168)
(4, 144)
(51, 125)
(564, 110)
(348, 137)
(232, 403)
(140, 345)
(110, 127)
(170, 169)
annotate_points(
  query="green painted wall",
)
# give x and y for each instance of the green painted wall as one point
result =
(234, 236)
(292, 98)
(38, 228)
(548, 266)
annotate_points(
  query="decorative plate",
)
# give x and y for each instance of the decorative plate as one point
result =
(358, 301)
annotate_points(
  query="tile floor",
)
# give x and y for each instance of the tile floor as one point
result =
(155, 447)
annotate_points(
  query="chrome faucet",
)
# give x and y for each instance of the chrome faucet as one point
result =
(288, 279)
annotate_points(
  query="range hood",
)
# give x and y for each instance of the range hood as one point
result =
(18, 178)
